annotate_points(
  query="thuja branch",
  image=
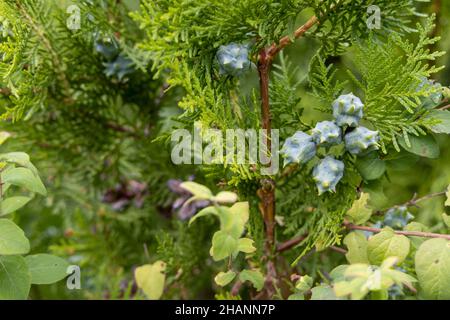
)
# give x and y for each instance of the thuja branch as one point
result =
(267, 191)
(265, 58)
(290, 243)
(414, 201)
(285, 41)
(56, 61)
(405, 233)
(295, 241)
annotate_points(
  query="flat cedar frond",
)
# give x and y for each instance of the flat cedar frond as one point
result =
(389, 75)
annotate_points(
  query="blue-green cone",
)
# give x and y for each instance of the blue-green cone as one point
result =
(397, 218)
(233, 59)
(433, 99)
(348, 110)
(361, 139)
(299, 148)
(120, 67)
(327, 174)
(108, 48)
(327, 133)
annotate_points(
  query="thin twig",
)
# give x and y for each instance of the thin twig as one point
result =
(236, 287)
(122, 129)
(413, 202)
(295, 241)
(290, 243)
(337, 249)
(405, 233)
(285, 41)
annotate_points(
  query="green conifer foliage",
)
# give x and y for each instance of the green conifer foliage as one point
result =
(356, 107)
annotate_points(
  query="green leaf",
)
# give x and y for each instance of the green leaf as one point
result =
(253, 276)
(357, 247)
(12, 204)
(246, 245)
(370, 167)
(338, 273)
(15, 279)
(198, 191)
(233, 219)
(12, 239)
(378, 199)
(424, 146)
(24, 177)
(241, 209)
(224, 278)
(387, 244)
(296, 296)
(304, 283)
(416, 226)
(444, 121)
(432, 263)
(20, 158)
(353, 288)
(359, 213)
(223, 245)
(46, 268)
(231, 222)
(151, 278)
(323, 292)
(204, 212)
(225, 197)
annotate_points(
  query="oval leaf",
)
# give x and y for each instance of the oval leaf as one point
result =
(46, 268)
(246, 245)
(12, 204)
(12, 239)
(15, 279)
(223, 245)
(359, 212)
(432, 263)
(25, 178)
(253, 276)
(443, 119)
(150, 278)
(357, 247)
(370, 167)
(387, 244)
(323, 292)
(224, 278)
(197, 190)
(424, 146)
(20, 158)
(225, 197)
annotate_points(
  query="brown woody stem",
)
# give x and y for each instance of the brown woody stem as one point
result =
(405, 233)
(267, 191)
